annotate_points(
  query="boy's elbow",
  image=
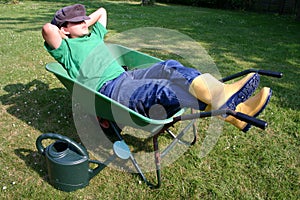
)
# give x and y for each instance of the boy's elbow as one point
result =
(51, 35)
(101, 9)
(102, 12)
(103, 16)
(46, 28)
(49, 29)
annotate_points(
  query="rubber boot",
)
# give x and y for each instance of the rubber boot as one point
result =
(252, 107)
(218, 95)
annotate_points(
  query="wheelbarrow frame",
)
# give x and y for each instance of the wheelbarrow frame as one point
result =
(103, 107)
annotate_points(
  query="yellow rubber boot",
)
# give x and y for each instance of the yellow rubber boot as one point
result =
(252, 107)
(218, 95)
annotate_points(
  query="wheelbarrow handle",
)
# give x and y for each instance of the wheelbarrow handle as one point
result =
(270, 73)
(241, 116)
(251, 120)
(259, 71)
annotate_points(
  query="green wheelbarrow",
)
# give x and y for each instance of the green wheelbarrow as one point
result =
(106, 108)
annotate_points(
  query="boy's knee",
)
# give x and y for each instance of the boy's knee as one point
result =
(172, 63)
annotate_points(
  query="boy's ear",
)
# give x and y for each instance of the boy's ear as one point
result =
(64, 30)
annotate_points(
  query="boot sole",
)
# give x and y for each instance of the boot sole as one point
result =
(243, 94)
(248, 126)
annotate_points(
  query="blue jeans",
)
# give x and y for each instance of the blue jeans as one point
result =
(156, 92)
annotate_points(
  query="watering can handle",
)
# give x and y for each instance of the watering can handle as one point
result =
(44, 136)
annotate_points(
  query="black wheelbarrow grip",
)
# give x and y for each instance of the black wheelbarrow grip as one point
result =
(241, 116)
(247, 71)
(270, 73)
(251, 120)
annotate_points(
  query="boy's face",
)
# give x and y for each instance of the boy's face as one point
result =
(76, 29)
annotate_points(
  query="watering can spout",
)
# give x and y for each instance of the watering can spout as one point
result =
(95, 171)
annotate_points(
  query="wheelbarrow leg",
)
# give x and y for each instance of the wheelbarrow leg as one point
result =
(122, 150)
(157, 160)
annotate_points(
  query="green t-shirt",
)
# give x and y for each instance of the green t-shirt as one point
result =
(87, 59)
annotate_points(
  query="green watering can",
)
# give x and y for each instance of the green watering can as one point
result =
(67, 162)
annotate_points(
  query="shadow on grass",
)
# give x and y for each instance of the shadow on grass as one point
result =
(33, 160)
(44, 12)
(45, 109)
(50, 110)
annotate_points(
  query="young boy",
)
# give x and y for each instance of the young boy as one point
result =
(168, 84)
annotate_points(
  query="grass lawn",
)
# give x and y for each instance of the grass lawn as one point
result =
(254, 165)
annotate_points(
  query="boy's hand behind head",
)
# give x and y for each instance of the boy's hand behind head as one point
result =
(63, 36)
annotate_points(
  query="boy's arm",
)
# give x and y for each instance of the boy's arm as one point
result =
(99, 15)
(52, 35)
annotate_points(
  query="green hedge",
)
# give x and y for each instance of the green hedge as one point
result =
(228, 4)
(278, 6)
(275, 6)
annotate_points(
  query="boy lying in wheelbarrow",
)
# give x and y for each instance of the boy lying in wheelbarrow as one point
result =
(168, 84)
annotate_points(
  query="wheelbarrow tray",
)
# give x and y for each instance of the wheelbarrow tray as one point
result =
(113, 111)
